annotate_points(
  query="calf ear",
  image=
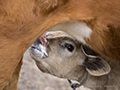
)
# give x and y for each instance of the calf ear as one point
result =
(95, 65)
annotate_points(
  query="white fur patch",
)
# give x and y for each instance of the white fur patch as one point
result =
(79, 30)
(43, 50)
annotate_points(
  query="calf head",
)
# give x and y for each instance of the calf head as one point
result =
(65, 57)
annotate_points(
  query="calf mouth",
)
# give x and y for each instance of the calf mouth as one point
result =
(38, 51)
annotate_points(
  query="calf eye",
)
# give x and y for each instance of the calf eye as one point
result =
(69, 47)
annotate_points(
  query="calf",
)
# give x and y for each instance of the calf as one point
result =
(65, 57)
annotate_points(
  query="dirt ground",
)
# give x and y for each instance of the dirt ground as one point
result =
(33, 79)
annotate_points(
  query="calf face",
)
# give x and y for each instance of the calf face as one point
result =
(67, 58)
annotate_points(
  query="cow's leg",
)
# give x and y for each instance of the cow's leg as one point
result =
(13, 82)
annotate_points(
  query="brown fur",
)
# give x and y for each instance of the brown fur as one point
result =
(22, 21)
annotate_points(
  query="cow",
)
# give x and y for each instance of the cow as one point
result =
(67, 58)
(23, 21)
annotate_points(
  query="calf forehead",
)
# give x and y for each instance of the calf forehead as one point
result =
(59, 53)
